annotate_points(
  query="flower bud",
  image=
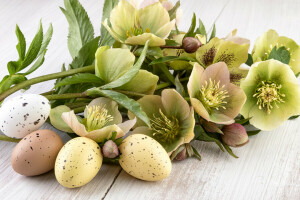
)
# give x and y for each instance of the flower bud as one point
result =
(110, 149)
(235, 135)
(191, 44)
(181, 155)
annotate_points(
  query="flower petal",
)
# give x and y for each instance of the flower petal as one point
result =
(217, 72)
(100, 135)
(115, 35)
(194, 83)
(127, 125)
(200, 109)
(143, 38)
(72, 121)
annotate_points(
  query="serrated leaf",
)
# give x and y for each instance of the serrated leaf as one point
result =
(86, 54)
(80, 78)
(172, 12)
(37, 64)
(46, 40)
(21, 46)
(251, 133)
(191, 30)
(106, 38)
(201, 135)
(33, 49)
(281, 54)
(9, 81)
(131, 73)
(213, 33)
(171, 58)
(81, 29)
(124, 101)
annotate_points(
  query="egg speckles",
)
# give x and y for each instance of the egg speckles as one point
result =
(144, 158)
(24, 114)
(78, 162)
(35, 154)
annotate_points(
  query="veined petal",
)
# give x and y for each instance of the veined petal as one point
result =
(72, 121)
(127, 125)
(217, 72)
(188, 126)
(100, 135)
(200, 109)
(142, 39)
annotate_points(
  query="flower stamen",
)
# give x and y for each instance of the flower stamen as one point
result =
(97, 117)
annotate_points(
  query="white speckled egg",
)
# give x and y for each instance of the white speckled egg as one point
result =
(78, 162)
(144, 158)
(24, 114)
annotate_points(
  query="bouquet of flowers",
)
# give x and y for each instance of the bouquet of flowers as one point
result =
(142, 91)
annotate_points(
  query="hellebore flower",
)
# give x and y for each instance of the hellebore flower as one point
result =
(213, 96)
(113, 63)
(273, 94)
(270, 39)
(172, 119)
(101, 119)
(231, 50)
(234, 135)
(134, 27)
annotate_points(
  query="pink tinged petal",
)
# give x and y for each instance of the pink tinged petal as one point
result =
(126, 126)
(217, 72)
(194, 84)
(100, 135)
(167, 5)
(142, 39)
(179, 14)
(220, 118)
(174, 104)
(72, 121)
(200, 109)
(188, 127)
(146, 3)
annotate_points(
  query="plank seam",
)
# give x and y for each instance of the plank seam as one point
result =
(113, 182)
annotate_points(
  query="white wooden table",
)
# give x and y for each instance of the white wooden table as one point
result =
(268, 167)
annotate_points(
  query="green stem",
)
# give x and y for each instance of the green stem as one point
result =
(8, 139)
(45, 78)
(171, 47)
(79, 109)
(66, 96)
(47, 93)
(164, 85)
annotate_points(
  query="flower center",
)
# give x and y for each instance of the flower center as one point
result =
(165, 129)
(267, 94)
(212, 95)
(97, 117)
(136, 30)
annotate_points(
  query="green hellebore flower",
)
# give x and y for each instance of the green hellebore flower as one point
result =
(231, 50)
(172, 119)
(270, 39)
(213, 96)
(113, 63)
(273, 94)
(101, 119)
(134, 27)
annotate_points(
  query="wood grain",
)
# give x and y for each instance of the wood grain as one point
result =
(268, 167)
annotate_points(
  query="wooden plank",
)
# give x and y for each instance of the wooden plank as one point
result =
(268, 167)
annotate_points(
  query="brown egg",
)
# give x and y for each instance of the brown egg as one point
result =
(35, 154)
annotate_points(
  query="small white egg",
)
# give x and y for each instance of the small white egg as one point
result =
(23, 114)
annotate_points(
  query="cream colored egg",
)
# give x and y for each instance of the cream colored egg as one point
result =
(78, 162)
(144, 158)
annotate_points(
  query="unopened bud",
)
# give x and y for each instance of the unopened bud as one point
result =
(235, 135)
(110, 149)
(191, 44)
(181, 155)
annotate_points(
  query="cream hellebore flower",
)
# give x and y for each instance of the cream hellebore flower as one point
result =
(172, 119)
(273, 94)
(270, 39)
(134, 27)
(101, 119)
(110, 64)
(213, 96)
(232, 50)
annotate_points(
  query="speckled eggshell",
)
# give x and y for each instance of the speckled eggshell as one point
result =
(144, 158)
(78, 162)
(35, 154)
(24, 114)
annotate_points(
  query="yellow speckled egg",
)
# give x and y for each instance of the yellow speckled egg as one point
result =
(144, 158)
(35, 154)
(78, 162)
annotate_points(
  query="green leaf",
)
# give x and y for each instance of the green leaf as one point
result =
(106, 38)
(81, 30)
(242, 121)
(124, 101)
(165, 70)
(294, 117)
(251, 133)
(171, 43)
(8, 81)
(229, 150)
(191, 30)
(37, 64)
(21, 46)
(86, 54)
(213, 33)
(172, 12)
(13, 66)
(57, 121)
(281, 54)
(196, 153)
(249, 61)
(80, 78)
(33, 49)
(171, 58)
(152, 51)
(131, 73)
(201, 29)
(46, 40)
(179, 86)
(201, 135)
